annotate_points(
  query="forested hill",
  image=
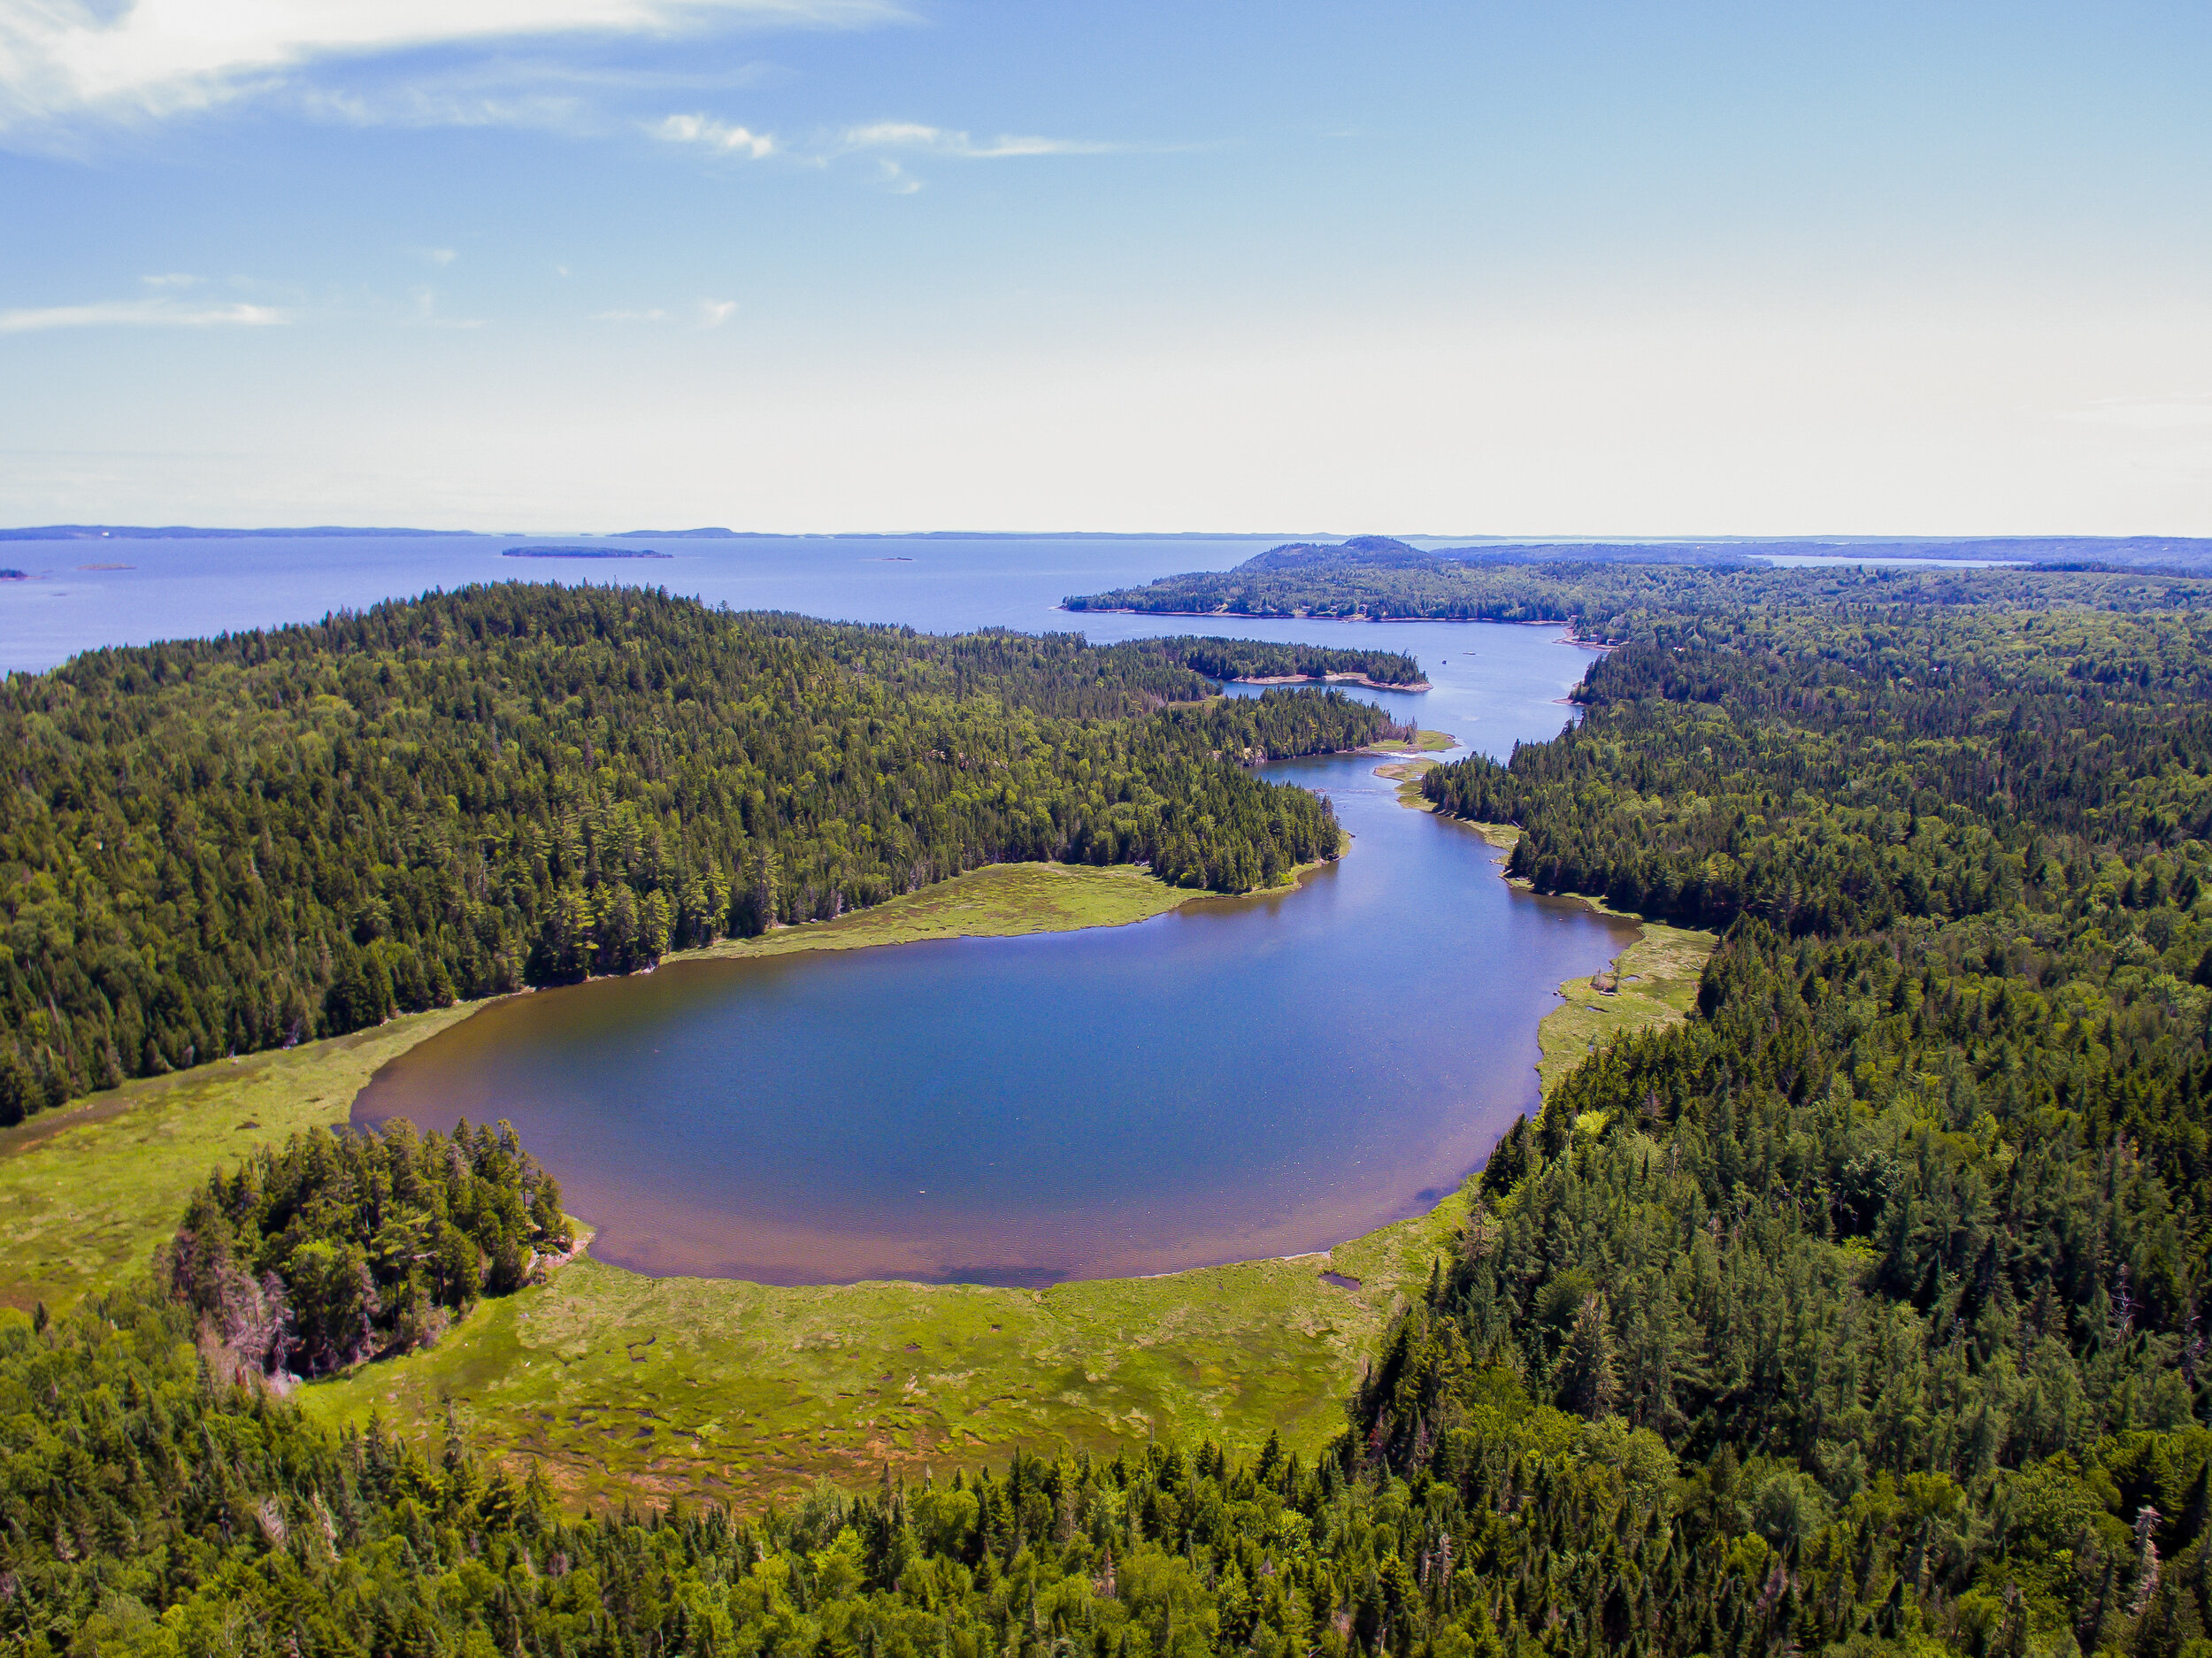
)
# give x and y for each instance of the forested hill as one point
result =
(1900, 1246)
(217, 846)
(1609, 600)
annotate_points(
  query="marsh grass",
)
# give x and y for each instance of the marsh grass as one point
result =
(88, 1192)
(1653, 982)
(709, 1389)
(1424, 742)
(997, 900)
(621, 1385)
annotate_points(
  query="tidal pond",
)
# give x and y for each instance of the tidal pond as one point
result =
(1237, 1078)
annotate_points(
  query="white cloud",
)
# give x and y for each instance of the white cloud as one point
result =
(712, 314)
(139, 314)
(440, 256)
(172, 279)
(710, 133)
(943, 141)
(158, 58)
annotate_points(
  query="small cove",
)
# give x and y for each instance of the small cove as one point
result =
(1240, 1077)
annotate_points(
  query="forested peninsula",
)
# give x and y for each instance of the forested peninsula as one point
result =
(1375, 578)
(220, 846)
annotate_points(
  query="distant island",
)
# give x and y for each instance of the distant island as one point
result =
(1378, 578)
(583, 552)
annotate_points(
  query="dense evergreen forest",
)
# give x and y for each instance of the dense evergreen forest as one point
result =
(147, 1508)
(1609, 600)
(220, 846)
(333, 1249)
(1860, 1314)
(1256, 659)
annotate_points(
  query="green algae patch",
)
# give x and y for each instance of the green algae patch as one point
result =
(87, 1193)
(616, 1384)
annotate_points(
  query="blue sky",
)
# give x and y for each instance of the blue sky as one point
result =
(577, 265)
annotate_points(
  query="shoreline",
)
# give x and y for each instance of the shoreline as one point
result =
(1335, 679)
(1308, 616)
(766, 1389)
(762, 1389)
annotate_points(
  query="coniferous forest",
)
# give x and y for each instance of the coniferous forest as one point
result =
(1862, 1313)
(212, 847)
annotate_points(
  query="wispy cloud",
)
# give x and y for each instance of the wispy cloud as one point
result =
(172, 279)
(140, 313)
(711, 313)
(153, 59)
(719, 136)
(939, 141)
(2179, 411)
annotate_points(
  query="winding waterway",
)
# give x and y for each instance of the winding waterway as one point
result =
(1237, 1078)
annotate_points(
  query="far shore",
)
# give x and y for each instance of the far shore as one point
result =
(1336, 679)
(1308, 616)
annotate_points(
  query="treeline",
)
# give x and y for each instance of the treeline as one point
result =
(220, 846)
(1257, 659)
(1936, 768)
(1901, 1245)
(147, 1507)
(1611, 600)
(332, 1248)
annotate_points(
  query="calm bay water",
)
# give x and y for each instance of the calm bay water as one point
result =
(1242, 1078)
(184, 589)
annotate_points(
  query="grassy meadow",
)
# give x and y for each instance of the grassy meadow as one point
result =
(708, 1387)
(87, 1193)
